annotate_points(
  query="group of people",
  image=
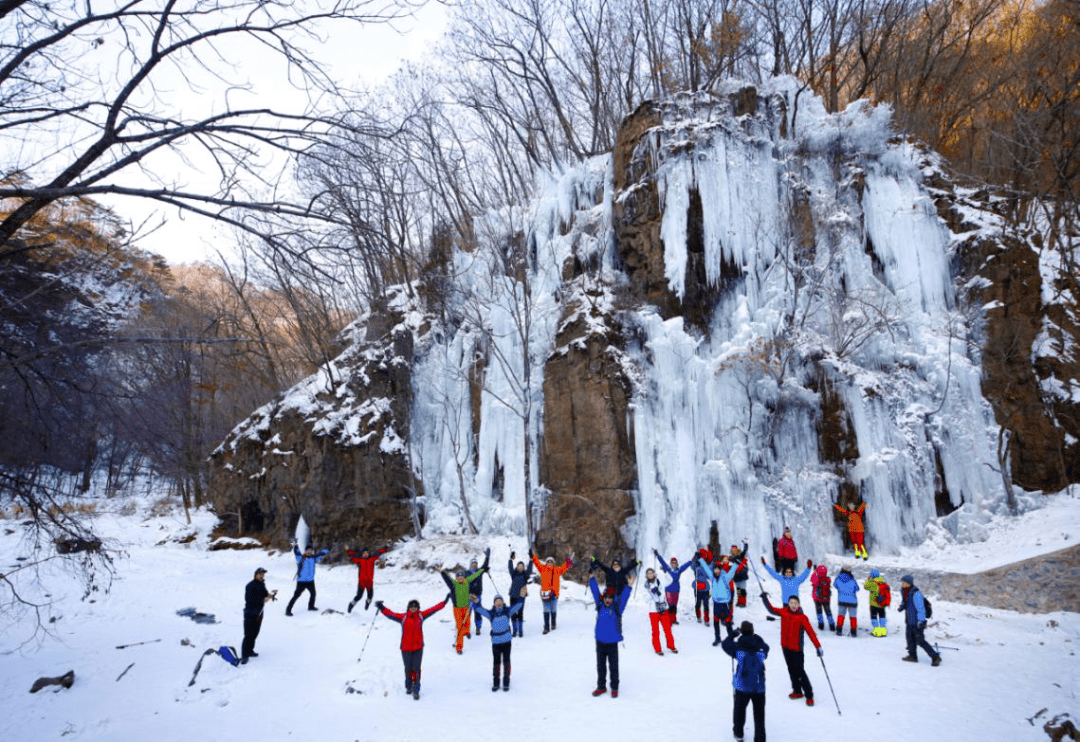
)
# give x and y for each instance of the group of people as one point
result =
(720, 586)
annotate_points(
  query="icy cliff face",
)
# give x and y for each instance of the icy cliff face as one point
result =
(748, 312)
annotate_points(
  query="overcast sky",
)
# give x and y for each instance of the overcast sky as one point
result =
(357, 58)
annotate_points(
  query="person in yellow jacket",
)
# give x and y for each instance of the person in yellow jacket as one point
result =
(549, 586)
(880, 599)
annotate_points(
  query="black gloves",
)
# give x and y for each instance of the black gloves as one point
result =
(379, 604)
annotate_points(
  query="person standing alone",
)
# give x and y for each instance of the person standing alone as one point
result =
(305, 575)
(256, 596)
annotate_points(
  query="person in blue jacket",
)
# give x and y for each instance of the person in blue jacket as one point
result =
(609, 613)
(702, 574)
(913, 607)
(671, 592)
(789, 583)
(305, 575)
(720, 589)
(501, 619)
(519, 581)
(846, 603)
(749, 651)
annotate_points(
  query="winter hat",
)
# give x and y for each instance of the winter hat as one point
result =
(674, 560)
(550, 560)
(746, 628)
(473, 563)
(414, 603)
(260, 571)
(874, 573)
(461, 575)
(822, 570)
(908, 579)
(497, 598)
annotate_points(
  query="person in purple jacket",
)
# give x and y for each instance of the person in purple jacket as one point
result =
(609, 613)
(671, 592)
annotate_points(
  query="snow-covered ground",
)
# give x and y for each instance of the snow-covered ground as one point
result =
(308, 681)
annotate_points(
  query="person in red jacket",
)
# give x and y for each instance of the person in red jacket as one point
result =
(855, 528)
(412, 638)
(793, 623)
(365, 566)
(785, 549)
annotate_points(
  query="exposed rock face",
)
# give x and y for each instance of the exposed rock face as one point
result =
(1034, 402)
(332, 452)
(587, 458)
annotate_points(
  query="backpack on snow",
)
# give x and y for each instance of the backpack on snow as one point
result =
(229, 655)
(823, 590)
(885, 595)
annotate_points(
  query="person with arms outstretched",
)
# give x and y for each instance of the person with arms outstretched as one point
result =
(608, 634)
(305, 575)
(412, 638)
(671, 592)
(793, 624)
(460, 595)
(549, 587)
(501, 619)
(519, 590)
(365, 579)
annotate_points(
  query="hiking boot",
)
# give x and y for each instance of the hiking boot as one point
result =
(367, 604)
(854, 632)
(312, 608)
(244, 661)
(809, 701)
(614, 694)
(506, 684)
(416, 692)
(546, 629)
(599, 692)
(794, 695)
(288, 613)
(716, 643)
(839, 630)
(909, 658)
(673, 650)
(659, 654)
(936, 661)
(495, 686)
(821, 627)
(352, 604)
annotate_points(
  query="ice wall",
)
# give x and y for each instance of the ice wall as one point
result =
(726, 425)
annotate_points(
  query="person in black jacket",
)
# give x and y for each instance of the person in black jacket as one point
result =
(749, 651)
(476, 587)
(519, 579)
(615, 577)
(255, 597)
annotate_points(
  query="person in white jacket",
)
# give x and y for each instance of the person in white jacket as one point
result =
(659, 615)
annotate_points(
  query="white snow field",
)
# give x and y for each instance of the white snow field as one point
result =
(307, 682)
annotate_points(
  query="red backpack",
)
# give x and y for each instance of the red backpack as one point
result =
(823, 590)
(884, 595)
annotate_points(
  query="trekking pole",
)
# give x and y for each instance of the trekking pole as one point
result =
(762, 587)
(368, 635)
(497, 590)
(940, 647)
(830, 685)
(137, 644)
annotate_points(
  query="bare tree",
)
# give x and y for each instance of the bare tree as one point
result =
(89, 130)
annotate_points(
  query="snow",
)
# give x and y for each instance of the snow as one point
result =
(1008, 667)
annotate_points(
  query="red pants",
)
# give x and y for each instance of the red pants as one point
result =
(657, 620)
(857, 537)
(464, 627)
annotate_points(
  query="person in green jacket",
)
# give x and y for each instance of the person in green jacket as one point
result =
(880, 599)
(459, 586)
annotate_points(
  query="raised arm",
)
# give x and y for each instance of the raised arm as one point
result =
(446, 578)
(595, 591)
(769, 569)
(768, 605)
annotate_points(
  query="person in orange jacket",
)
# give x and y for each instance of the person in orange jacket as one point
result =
(549, 586)
(855, 527)
(793, 624)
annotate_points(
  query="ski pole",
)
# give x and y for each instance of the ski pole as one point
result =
(762, 587)
(830, 685)
(377, 612)
(940, 647)
(137, 644)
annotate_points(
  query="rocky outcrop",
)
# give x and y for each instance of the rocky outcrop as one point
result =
(332, 450)
(587, 459)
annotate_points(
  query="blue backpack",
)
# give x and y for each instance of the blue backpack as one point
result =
(229, 655)
(751, 670)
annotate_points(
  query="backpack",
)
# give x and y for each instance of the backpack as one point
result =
(928, 608)
(229, 655)
(751, 670)
(823, 590)
(885, 595)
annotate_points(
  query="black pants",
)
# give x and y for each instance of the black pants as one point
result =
(607, 655)
(878, 613)
(702, 598)
(741, 702)
(800, 683)
(301, 587)
(412, 662)
(500, 654)
(721, 615)
(252, 624)
(915, 638)
(360, 590)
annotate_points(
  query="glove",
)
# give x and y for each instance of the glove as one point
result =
(809, 563)
(820, 652)
(379, 604)
(592, 559)
(922, 625)
(762, 560)
(511, 556)
(487, 551)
